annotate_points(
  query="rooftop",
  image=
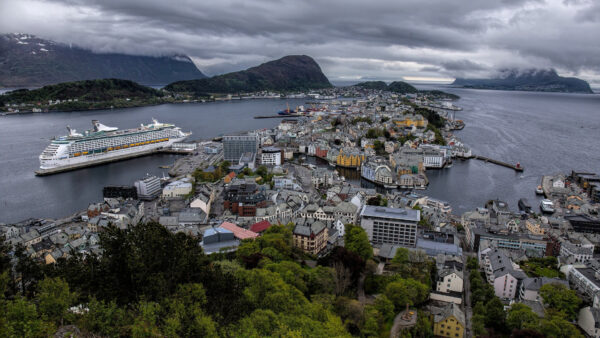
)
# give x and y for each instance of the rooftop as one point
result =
(391, 213)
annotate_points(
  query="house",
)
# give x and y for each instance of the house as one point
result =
(530, 287)
(450, 279)
(310, 235)
(242, 198)
(448, 321)
(589, 321)
(503, 274)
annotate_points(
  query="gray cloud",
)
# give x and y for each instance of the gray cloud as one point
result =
(386, 39)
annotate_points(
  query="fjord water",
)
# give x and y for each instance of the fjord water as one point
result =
(23, 137)
(546, 132)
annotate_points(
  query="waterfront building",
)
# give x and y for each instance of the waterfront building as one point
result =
(390, 225)
(271, 156)
(584, 223)
(148, 188)
(236, 145)
(433, 159)
(350, 157)
(310, 235)
(378, 173)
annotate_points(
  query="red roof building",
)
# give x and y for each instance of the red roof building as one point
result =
(239, 233)
(260, 226)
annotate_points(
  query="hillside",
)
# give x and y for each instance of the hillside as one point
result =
(88, 94)
(541, 80)
(402, 88)
(376, 85)
(290, 73)
(28, 61)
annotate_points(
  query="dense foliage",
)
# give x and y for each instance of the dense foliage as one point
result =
(401, 87)
(376, 85)
(84, 91)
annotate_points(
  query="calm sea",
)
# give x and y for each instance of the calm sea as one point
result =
(546, 132)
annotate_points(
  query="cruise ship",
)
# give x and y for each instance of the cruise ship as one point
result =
(103, 144)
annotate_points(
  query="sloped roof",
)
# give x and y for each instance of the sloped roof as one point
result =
(238, 232)
(260, 226)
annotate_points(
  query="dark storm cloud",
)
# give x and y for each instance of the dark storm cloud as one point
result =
(349, 38)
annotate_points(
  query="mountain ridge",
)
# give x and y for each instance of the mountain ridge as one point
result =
(29, 61)
(289, 73)
(544, 80)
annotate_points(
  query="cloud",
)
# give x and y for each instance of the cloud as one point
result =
(386, 39)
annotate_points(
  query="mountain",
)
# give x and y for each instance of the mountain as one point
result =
(28, 61)
(376, 85)
(84, 95)
(396, 86)
(290, 73)
(402, 88)
(540, 80)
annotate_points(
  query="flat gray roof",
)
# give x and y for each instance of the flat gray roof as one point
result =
(410, 215)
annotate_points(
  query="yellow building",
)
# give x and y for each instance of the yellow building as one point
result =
(448, 321)
(535, 227)
(411, 120)
(347, 158)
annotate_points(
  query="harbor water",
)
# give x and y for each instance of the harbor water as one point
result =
(546, 132)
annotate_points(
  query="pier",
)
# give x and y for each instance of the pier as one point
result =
(277, 116)
(516, 167)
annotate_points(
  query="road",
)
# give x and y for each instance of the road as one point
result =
(467, 295)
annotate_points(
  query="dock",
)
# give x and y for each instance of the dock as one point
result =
(276, 116)
(516, 167)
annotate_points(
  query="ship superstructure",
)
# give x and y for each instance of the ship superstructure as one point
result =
(106, 144)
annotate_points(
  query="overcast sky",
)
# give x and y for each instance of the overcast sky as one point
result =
(387, 40)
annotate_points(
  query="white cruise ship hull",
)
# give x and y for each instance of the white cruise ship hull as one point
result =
(54, 166)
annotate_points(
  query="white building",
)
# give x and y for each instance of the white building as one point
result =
(581, 252)
(503, 274)
(271, 156)
(177, 189)
(589, 321)
(390, 225)
(148, 188)
(449, 280)
(433, 159)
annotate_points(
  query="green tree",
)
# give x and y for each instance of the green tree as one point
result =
(105, 319)
(554, 325)
(357, 241)
(54, 299)
(385, 307)
(520, 316)
(406, 291)
(559, 297)
(146, 322)
(23, 320)
(495, 317)
(478, 324)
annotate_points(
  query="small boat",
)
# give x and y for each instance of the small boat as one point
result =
(547, 206)
(165, 167)
(539, 190)
(524, 205)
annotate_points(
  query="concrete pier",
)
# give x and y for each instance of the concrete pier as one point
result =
(504, 164)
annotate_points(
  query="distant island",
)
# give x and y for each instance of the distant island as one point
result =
(539, 80)
(84, 95)
(290, 73)
(28, 61)
(401, 87)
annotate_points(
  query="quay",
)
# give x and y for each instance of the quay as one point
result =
(277, 116)
(516, 167)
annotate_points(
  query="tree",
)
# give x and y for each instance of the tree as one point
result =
(401, 257)
(23, 320)
(559, 297)
(520, 316)
(495, 316)
(105, 319)
(357, 241)
(406, 291)
(385, 307)
(555, 325)
(54, 299)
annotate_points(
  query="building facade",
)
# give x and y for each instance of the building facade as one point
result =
(390, 225)
(235, 146)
